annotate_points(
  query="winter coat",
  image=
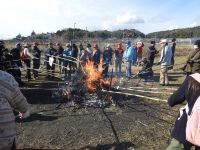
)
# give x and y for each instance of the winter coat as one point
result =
(96, 56)
(86, 54)
(151, 52)
(119, 54)
(173, 48)
(60, 52)
(75, 52)
(166, 56)
(51, 52)
(139, 49)
(193, 61)
(107, 55)
(67, 53)
(130, 54)
(36, 52)
(146, 70)
(178, 97)
(10, 98)
(16, 56)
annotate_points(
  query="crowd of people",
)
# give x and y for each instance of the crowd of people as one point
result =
(67, 58)
(186, 131)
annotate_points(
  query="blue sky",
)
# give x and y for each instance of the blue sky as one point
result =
(24, 16)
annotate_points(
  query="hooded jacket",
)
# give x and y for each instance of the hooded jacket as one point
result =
(130, 54)
(10, 98)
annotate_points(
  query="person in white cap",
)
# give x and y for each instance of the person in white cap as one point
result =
(26, 57)
(165, 62)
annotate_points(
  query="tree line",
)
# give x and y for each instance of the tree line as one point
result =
(176, 33)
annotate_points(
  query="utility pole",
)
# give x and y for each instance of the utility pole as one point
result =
(74, 31)
(86, 35)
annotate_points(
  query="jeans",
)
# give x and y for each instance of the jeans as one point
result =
(128, 69)
(118, 67)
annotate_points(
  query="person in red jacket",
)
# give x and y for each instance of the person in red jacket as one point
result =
(139, 46)
(118, 59)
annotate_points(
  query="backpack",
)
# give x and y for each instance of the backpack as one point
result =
(193, 120)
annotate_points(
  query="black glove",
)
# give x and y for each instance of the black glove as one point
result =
(190, 61)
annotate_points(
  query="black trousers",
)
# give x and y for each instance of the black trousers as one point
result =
(28, 65)
(36, 66)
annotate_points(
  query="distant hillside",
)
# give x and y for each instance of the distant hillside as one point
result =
(103, 34)
(177, 33)
(79, 34)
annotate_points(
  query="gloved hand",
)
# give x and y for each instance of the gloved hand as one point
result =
(24, 115)
(190, 61)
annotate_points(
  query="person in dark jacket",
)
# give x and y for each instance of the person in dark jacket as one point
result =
(8, 64)
(107, 59)
(75, 56)
(173, 47)
(51, 60)
(151, 52)
(15, 52)
(146, 70)
(189, 91)
(36, 52)
(96, 55)
(193, 60)
(1, 54)
(60, 55)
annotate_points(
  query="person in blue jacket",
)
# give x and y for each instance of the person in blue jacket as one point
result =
(67, 56)
(130, 56)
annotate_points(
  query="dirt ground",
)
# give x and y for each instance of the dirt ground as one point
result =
(140, 123)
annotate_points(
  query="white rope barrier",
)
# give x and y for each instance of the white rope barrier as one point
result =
(137, 95)
(143, 91)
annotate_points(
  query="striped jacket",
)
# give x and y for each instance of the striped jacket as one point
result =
(10, 99)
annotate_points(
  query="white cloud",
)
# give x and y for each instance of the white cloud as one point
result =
(122, 21)
(194, 24)
(128, 18)
(172, 27)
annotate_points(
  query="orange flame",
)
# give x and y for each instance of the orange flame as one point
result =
(93, 75)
